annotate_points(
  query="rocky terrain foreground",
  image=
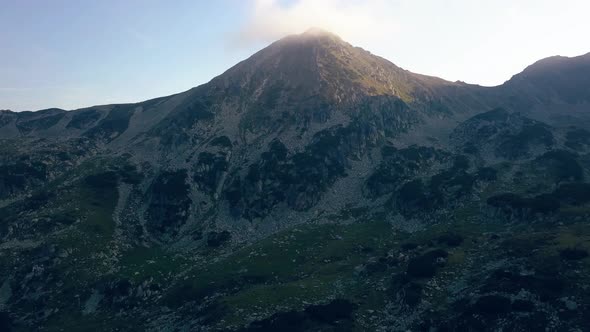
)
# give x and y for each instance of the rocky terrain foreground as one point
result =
(312, 187)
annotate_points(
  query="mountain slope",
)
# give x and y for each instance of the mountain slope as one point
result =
(312, 182)
(557, 78)
(553, 89)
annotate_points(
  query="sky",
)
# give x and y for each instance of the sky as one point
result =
(78, 53)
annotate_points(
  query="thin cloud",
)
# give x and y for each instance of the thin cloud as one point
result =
(352, 20)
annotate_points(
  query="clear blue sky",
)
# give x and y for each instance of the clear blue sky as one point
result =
(67, 53)
(76, 53)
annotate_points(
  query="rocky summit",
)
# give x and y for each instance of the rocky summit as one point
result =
(312, 187)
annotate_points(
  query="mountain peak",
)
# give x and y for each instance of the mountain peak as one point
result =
(314, 35)
(557, 62)
(568, 77)
(318, 62)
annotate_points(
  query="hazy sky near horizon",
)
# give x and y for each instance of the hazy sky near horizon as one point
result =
(71, 54)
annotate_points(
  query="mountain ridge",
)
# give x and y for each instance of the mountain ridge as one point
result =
(315, 33)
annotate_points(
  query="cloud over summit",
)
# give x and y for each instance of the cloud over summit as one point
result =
(272, 19)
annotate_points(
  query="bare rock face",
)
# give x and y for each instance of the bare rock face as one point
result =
(502, 134)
